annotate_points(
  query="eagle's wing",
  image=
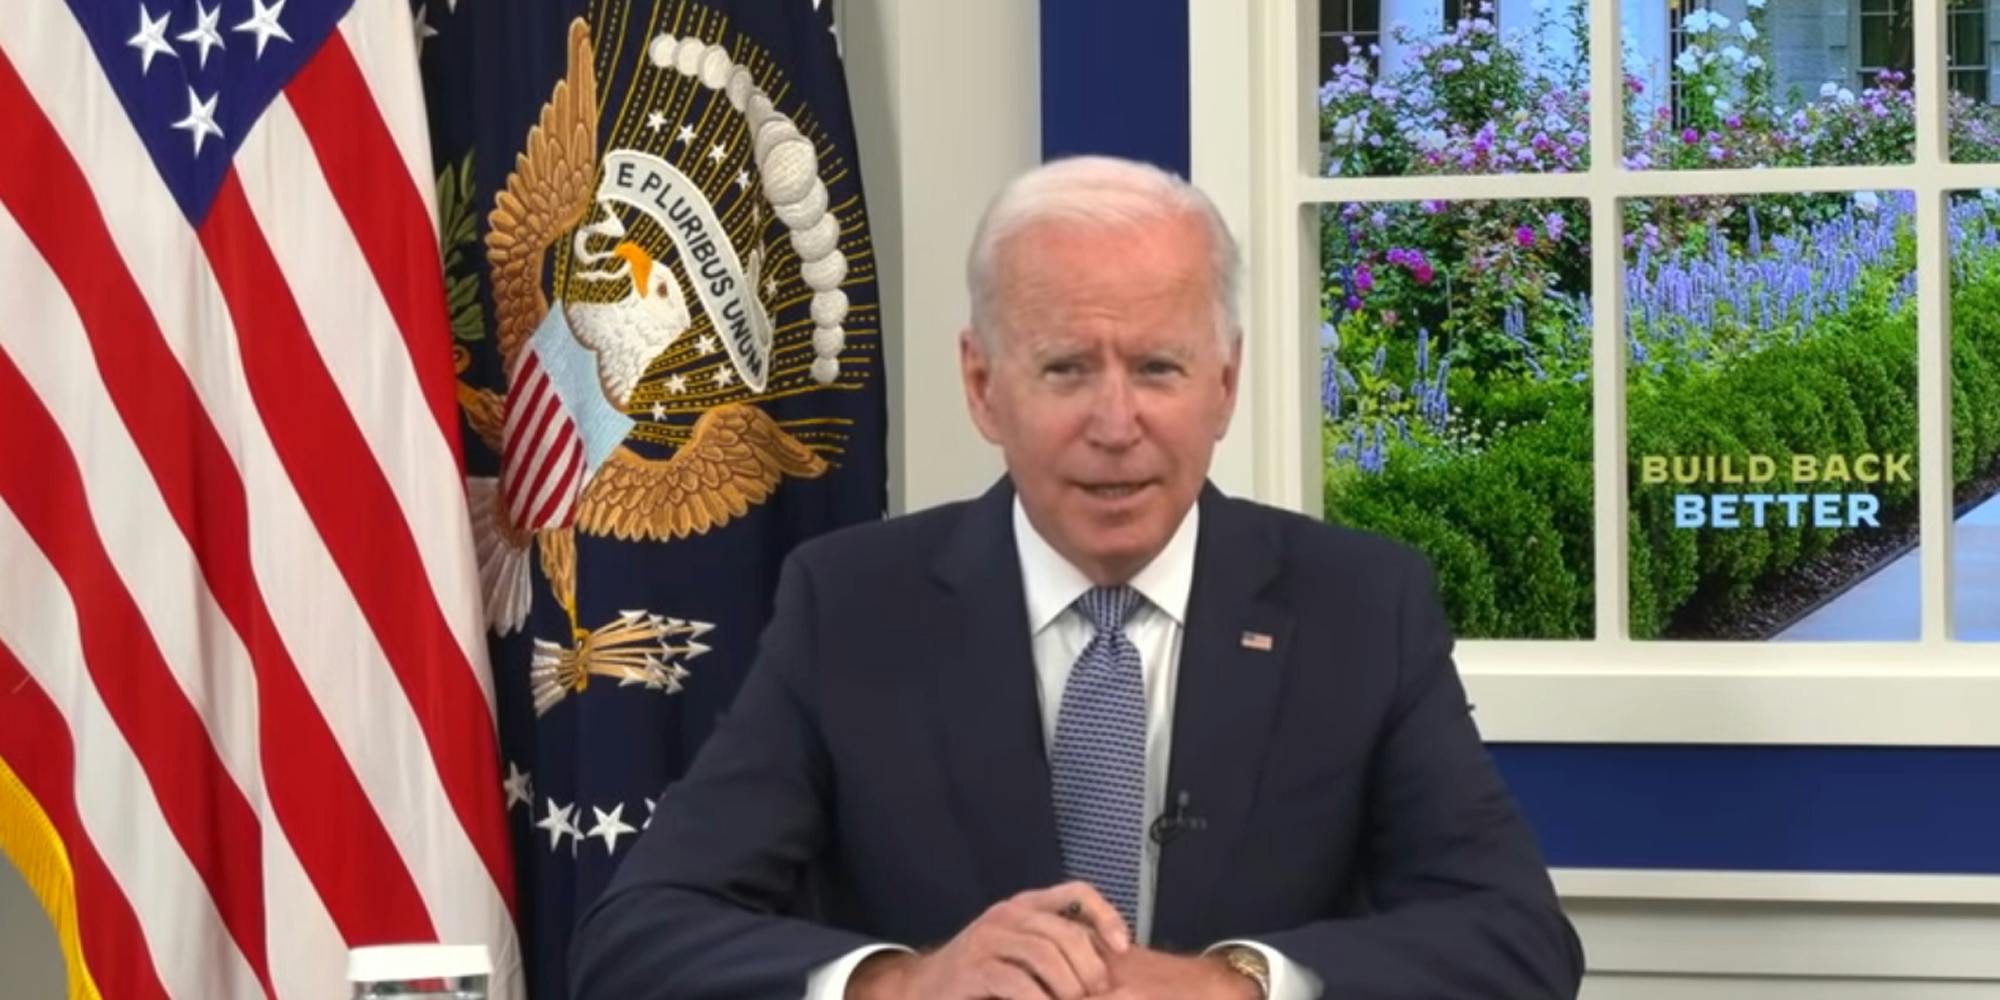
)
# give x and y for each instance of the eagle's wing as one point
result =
(546, 194)
(733, 459)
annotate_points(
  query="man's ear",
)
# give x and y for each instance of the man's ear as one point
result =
(975, 369)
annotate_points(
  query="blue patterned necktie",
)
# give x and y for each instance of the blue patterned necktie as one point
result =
(1097, 769)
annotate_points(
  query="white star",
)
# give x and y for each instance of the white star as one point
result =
(557, 822)
(151, 39)
(743, 179)
(610, 826)
(203, 33)
(656, 121)
(708, 344)
(520, 788)
(717, 153)
(651, 806)
(659, 412)
(686, 134)
(724, 377)
(770, 288)
(264, 24)
(677, 384)
(423, 26)
(200, 120)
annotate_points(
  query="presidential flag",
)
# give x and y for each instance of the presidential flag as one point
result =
(245, 716)
(661, 282)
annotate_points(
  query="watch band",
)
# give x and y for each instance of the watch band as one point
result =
(1251, 964)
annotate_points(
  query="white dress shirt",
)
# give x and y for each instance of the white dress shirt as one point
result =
(1051, 586)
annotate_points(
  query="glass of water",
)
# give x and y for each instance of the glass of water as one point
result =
(419, 972)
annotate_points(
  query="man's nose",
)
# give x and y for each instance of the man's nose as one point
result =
(1114, 414)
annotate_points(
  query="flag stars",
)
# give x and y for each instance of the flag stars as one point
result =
(659, 412)
(200, 120)
(423, 26)
(520, 787)
(151, 39)
(743, 180)
(559, 825)
(676, 384)
(264, 24)
(770, 287)
(686, 134)
(652, 806)
(655, 121)
(718, 153)
(610, 826)
(724, 378)
(707, 343)
(205, 32)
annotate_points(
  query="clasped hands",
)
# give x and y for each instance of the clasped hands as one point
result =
(1061, 943)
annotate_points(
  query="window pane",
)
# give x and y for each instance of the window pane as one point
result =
(1969, 83)
(1968, 39)
(1772, 417)
(1460, 97)
(1767, 84)
(1455, 400)
(1975, 415)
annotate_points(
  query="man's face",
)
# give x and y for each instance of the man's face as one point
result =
(1107, 385)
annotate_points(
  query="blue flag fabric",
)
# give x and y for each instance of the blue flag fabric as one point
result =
(670, 374)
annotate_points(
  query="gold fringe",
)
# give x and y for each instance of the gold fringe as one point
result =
(31, 842)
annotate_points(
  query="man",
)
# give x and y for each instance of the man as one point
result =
(1102, 731)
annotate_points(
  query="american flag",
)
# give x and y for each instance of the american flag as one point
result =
(245, 719)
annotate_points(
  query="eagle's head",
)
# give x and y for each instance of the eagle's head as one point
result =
(628, 334)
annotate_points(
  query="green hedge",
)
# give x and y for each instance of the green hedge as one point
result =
(1510, 528)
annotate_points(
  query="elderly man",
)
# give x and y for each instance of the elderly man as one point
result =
(1101, 731)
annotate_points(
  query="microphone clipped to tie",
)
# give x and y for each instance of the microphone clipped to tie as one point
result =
(1169, 825)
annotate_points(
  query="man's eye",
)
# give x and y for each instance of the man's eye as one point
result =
(1160, 367)
(1063, 369)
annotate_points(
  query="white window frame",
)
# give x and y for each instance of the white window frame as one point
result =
(1254, 148)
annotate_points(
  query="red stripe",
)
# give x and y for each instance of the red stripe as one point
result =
(527, 449)
(36, 745)
(355, 512)
(551, 461)
(351, 861)
(524, 368)
(210, 817)
(396, 233)
(565, 485)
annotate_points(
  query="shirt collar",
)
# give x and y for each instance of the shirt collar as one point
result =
(1051, 583)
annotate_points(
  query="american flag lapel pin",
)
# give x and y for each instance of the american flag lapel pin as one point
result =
(1259, 641)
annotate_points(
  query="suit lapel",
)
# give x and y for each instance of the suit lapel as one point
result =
(1233, 658)
(988, 717)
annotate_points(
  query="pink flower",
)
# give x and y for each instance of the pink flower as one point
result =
(1525, 236)
(1425, 274)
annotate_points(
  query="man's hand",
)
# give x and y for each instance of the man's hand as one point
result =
(1048, 944)
(1144, 974)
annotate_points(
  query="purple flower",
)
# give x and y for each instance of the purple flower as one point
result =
(1424, 273)
(1353, 302)
(1734, 121)
(1525, 236)
(1556, 224)
(1690, 136)
(1364, 279)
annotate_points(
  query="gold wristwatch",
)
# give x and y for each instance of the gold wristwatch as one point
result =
(1249, 963)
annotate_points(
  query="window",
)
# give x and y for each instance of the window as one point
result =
(1612, 683)
(1342, 20)
(1968, 48)
(1677, 42)
(1887, 42)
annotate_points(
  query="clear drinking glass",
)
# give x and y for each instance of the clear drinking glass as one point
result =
(419, 972)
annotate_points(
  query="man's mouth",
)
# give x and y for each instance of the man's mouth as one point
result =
(1113, 491)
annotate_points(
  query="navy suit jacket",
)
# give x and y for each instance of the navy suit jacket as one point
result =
(881, 776)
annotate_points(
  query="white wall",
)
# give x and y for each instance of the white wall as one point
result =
(947, 107)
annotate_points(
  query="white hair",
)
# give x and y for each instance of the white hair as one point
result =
(1106, 192)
